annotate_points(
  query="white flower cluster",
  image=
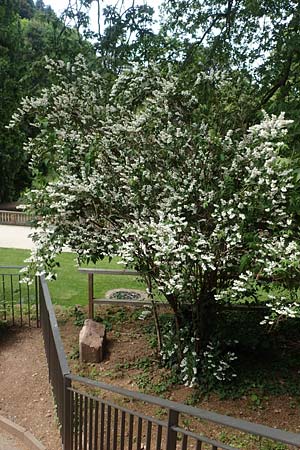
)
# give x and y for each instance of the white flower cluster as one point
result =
(217, 366)
(280, 309)
(131, 171)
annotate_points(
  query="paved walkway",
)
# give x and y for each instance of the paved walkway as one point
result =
(17, 236)
(8, 442)
(12, 236)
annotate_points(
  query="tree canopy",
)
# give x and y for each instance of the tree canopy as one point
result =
(135, 172)
(28, 33)
(169, 149)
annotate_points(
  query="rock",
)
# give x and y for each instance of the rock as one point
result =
(91, 341)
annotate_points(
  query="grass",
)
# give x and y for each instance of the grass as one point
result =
(71, 287)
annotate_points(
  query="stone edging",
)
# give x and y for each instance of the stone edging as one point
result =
(143, 294)
(20, 433)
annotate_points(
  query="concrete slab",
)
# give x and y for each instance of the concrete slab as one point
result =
(17, 236)
(12, 236)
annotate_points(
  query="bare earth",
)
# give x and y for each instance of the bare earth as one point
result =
(26, 399)
(25, 395)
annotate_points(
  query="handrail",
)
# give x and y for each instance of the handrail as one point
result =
(174, 408)
(55, 330)
(239, 424)
(108, 271)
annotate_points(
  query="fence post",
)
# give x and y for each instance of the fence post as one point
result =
(67, 415)
(171, 434)
(91, 295)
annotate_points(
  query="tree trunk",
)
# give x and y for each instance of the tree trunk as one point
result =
(204, 320)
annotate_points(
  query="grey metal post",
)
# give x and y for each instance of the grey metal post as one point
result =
(67, 416)
(91, 295)
(171, 434)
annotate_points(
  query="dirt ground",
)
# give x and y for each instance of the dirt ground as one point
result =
(130, 362)
(25, 396)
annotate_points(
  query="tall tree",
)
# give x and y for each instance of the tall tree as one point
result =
(137, 173)
(27, 35)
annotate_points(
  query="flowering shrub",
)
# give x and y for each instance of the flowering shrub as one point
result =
(131, 170)
(185, 361)
(280, 309)
(217, 366)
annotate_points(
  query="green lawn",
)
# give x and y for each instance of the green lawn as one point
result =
(70, 288)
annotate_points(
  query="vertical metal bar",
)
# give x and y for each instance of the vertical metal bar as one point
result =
(96, 430)
(91, 408)
(76, 421)
(4, 298)
(28, 305)
(184, 442)
(148, 438)
(108, 428)
(20, 300)
(158, 437)
(91, 295)
(123, 417)
(12, 299)
(130, 432)
(80, 422)
(198, 445)
(37, 302)
(72, 400)
(139, 434)
(115, 436)
(102, 427)
(85, 421)
(213, 447)
(171, 434)
(67, 414)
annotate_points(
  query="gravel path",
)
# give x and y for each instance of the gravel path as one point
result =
(25, 394)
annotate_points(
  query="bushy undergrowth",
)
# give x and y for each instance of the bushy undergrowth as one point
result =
(244, 356)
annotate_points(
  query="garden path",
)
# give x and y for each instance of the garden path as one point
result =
(12, 236)
(25, 394)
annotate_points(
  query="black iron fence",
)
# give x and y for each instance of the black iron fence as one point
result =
(100, 416)
(91, 421)
(19, 303)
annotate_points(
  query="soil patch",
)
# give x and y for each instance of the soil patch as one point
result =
(25, 394)
(131, 363)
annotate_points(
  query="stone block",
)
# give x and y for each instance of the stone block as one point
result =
(91, 342)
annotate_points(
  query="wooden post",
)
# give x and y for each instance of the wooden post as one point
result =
(91, 295)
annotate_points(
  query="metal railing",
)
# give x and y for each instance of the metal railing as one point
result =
(14, 218)
(89, 421)
(19, 304)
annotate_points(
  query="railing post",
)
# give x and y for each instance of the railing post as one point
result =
(67, 415)
(91, 295)
(171, 434)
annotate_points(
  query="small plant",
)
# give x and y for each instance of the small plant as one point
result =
(74, 353)
(79, 316)
(216, 365)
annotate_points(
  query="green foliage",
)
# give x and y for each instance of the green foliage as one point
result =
(27, 34)
(79, 316)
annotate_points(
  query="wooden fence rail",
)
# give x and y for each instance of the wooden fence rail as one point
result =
(14, 218)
